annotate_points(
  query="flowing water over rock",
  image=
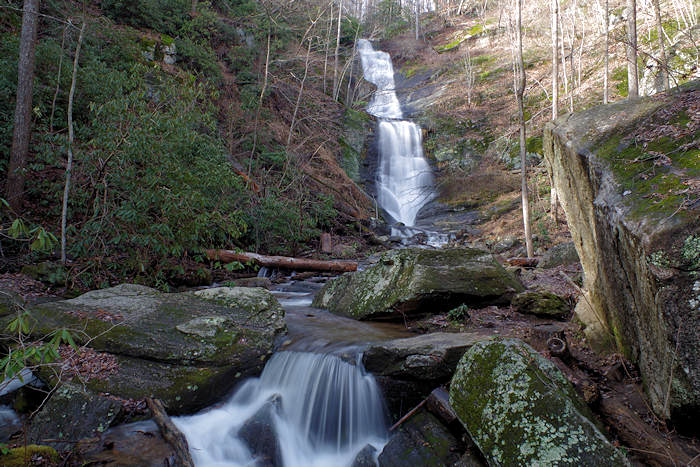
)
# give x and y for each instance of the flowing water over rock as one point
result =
(305, 410)
(310, 407)
(404, 180)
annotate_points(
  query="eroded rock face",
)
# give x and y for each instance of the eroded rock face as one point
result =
(187, 349)
(520, 410)
(629, 186)
(418, 281)
(431, 357)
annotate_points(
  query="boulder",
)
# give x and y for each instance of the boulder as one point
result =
(541, 303)
(520, 409)
(558, 255)
(263, 282)
(70, 414)
(187, 349)
(365, 458)
(628, 177)
(432, 357)
(258, 433)
(417, 281)
(39, 455)
(421, 441)
(138, 444)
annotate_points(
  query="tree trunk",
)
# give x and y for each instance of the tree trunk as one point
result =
(662, 45)
(606, 59)
(632, 70)
(69, 164)
(520, 91)
(286, 262)
(23, 109)
(336, 85)
(555, 59)
(328, 41)
(417, 19)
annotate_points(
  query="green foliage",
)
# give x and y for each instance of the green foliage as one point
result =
(161, 15)
(458, 314)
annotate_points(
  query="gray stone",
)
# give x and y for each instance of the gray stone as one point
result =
(365, 458)
(259, 435)
(561, 254)
(431, 357)
(520, 410)
(641, 258)
(421, 441)
(419, 281)
(263, 282)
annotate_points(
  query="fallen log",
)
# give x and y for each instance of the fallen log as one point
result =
(171, 433)
(285, 262)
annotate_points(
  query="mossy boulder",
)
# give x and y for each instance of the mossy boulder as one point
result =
(31, 454)
(421, 441)
(520, 410)
(187, 349)
(558, 255)
(430, 357)
(628, 176)
(416, 281)
(541, 303)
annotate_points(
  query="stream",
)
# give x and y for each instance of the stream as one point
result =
(314, 404)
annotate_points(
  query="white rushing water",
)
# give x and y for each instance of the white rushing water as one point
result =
(404, 181)
(321, 412)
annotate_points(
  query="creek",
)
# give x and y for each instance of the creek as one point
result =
(314, 404)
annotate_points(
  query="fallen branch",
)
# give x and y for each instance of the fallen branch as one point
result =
(171, 433)
(285, 262)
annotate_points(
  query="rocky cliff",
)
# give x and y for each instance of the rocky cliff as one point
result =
(628, 175)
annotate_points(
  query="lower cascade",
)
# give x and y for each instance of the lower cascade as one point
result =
(305, 409)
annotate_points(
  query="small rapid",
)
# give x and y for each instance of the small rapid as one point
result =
(305, 410)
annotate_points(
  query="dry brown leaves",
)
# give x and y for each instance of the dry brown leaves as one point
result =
(100, 314)
(131, 406)
(23, 285)
(87, 363)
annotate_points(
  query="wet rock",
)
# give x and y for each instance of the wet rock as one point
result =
(520, 409)
(365, 458)
(258, 433)
(541, 303)
(70, 414)
(561, 254)
(187, 349)
(138, 444)
(263, 282)
(431, 357)
(416, 281)
(9, 423)
(639, 243)
(421, 441)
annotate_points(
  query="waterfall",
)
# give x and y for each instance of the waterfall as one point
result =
(314, 410)
(404, 181)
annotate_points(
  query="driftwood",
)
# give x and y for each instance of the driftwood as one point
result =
(171, 433)
(285, 262)
(410, 414)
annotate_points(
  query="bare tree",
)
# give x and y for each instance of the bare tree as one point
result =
(606, 59)
(519, 92)
(469, 76)
(336, 85)
(69, 164)
(417, 19)
(555, 58)
(632, 70)
(662, 46)
(23, 107)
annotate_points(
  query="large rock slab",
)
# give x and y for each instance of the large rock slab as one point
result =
(419, 281)
(431, 357)
(187, 349)
(520, 410)
(628, 176)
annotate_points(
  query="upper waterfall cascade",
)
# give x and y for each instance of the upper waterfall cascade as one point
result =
(405, 180)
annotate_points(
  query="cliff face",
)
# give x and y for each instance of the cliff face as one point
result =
(628, 175)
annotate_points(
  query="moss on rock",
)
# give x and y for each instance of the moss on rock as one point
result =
(419, 281)
(520, 409)
(32, 454)
(541, 303)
